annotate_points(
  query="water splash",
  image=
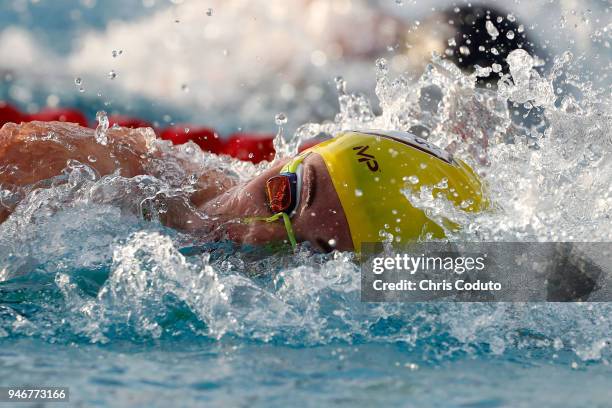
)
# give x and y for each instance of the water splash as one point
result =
(93, 271)
(101, 128)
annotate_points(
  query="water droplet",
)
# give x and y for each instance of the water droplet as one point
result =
(92, 158)
(340, 85)
(511, 17)
(510, 35)
(520, 64)
(112, 75)
(411, 366)
(399, 2)
(209, 12)
(452, 42)
(116, 53)
(521, 28)
(482, 71)
(413, 180)
(496, 67)
(381, 65)
(162, 206)
(280, 119)
(491, 29)
(186, 130)
(332, 243)
(466, 203)
(358, 193)
(102, 127)
(78, 81)
(184, 88)
(464, 50)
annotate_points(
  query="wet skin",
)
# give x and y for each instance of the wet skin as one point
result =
(28, 156)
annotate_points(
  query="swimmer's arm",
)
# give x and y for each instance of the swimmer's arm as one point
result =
(37, 151)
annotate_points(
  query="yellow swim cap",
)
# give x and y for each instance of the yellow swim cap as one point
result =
(369, 170)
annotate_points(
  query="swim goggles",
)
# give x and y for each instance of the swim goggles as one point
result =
(283, 196)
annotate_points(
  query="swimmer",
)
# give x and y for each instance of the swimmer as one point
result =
(335, 195)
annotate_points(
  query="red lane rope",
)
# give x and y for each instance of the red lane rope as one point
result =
(247, 146)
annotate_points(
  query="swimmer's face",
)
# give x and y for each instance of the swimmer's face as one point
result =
(319, 217)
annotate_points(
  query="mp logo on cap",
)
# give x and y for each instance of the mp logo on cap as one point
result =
(369, 159)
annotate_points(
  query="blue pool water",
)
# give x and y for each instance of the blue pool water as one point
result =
(238, 373)
(141, 325)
